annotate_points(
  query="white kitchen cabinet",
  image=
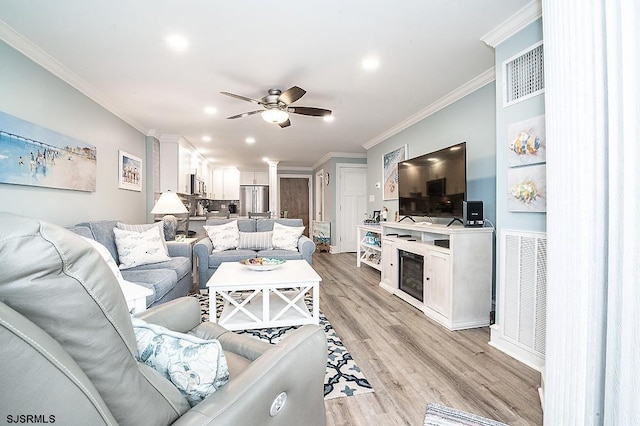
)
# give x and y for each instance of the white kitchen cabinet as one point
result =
(254, 178)
(226, 183)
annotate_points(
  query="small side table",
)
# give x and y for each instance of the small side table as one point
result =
(135, 295)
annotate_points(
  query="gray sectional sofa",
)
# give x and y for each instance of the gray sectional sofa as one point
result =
(209, 261)
(168, 280)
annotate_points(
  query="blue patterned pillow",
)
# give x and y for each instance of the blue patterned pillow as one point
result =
(195, 366)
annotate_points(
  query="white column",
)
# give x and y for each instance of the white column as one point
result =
(593, 300)
(273, 188)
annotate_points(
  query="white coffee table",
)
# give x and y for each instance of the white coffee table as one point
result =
(261, 299)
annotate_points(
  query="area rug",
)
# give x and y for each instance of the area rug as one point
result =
(439, 415)
(343, 377)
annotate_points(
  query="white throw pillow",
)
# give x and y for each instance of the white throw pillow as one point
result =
(224, 236)
(255, 240)
(286, 237)
(145, 227)
(195, 366)
(139, 248)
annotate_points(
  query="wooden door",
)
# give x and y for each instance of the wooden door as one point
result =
(294, 199)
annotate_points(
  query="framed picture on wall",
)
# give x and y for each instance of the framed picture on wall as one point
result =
(390, 172)
(36, 156)
(129, 171)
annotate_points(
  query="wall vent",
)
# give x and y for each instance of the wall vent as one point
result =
(524, 289)
(524, 75)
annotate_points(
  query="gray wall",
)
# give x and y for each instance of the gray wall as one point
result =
(526, 109)
(471, 119)
(31, 93)
(330, 193)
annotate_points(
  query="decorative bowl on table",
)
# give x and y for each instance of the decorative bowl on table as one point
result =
(262, 263)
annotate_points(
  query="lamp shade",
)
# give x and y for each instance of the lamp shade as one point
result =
(169, 203)
(275, 115)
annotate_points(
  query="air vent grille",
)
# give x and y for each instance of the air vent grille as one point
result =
(524, 282)
(524, 75)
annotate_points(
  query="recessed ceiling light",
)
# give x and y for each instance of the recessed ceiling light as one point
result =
(177, 42)
(370, 63)
(206, 138)
(210, 110)
(265, 159)
(250, 140)
(328, 118)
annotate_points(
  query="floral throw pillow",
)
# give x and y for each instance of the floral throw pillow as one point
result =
(140, 248)
(195, 366)
(224, 236)
(286, 237)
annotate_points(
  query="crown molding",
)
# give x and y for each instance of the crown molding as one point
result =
(469, 87)
(285, 169)
(23, 45)
(329, 155)
(515, 23)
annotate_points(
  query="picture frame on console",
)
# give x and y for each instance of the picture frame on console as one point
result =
(129, 171)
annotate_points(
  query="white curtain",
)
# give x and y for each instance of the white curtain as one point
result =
(592, 70)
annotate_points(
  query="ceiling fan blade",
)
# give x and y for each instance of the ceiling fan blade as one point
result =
(243, 98)
(285, 124)
(316, 112)
(292, 94)
(244, 114)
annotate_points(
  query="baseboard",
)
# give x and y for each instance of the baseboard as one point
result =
(514, 350)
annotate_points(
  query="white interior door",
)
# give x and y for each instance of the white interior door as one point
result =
(352, 199)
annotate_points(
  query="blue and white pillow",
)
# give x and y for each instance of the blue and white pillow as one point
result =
(195, 366)
(286, 237)
(223, 237)
(140, 248)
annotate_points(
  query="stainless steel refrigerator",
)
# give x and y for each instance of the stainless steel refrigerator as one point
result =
(254, 199)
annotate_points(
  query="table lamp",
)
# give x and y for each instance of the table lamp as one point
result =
(169, 204)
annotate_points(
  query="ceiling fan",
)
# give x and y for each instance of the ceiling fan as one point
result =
(277, 106)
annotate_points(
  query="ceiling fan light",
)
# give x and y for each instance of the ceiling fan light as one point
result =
(274, 115)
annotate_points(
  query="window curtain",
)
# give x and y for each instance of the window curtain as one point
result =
(592, 74)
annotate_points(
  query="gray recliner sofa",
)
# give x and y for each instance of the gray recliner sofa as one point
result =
(168, 280)
(209, 261)
(69, 350)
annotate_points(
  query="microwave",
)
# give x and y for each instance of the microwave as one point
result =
(197, 185)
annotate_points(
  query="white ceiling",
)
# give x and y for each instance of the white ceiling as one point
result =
(115, 52)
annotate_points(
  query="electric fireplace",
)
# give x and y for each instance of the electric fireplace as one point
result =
(411, 274)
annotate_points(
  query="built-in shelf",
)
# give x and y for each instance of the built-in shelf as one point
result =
(370, 246)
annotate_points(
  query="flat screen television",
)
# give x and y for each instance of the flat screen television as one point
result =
(434, 184)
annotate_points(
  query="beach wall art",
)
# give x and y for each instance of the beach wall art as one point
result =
(390, 172)
(35, 156)
(526, 177)
(129, 171)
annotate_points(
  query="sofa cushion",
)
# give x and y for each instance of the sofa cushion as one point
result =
(140, 248)
(195, 366)
(215, 259)
(286, 237)
(223, 236)
(263, 225)
(244, 225)
(160, 281)
(102, 232)
(255, 240)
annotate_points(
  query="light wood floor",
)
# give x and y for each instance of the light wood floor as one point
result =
(411, 361)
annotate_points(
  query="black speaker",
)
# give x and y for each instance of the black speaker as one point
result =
(472, 213)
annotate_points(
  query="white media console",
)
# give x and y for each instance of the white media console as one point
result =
(457, 270)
